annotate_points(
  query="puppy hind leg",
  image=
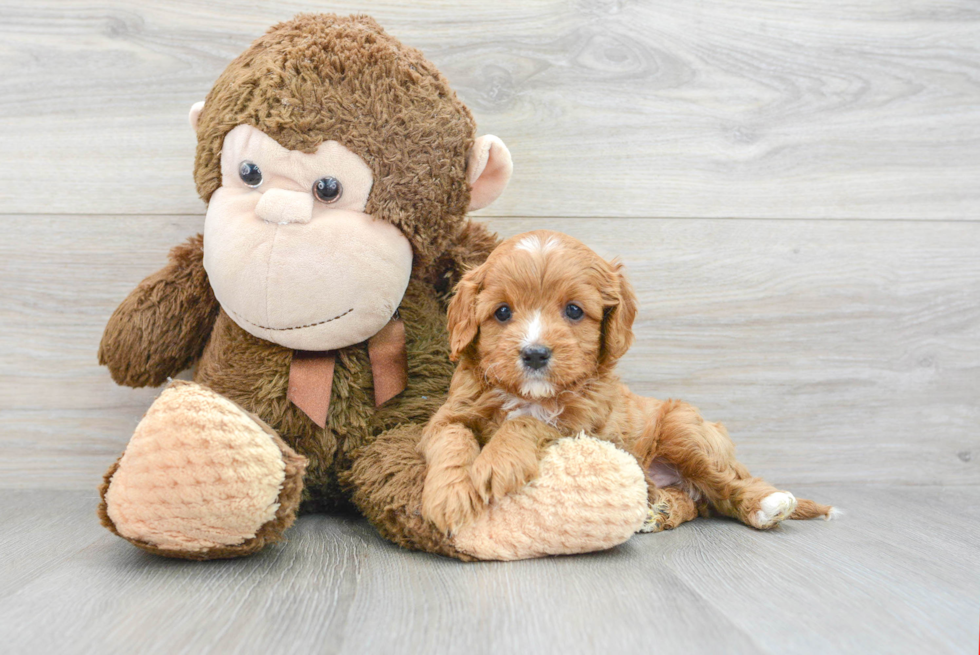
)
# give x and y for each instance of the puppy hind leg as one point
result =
(705, 456)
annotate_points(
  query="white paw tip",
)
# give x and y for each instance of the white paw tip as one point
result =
(834, 514)
(776, 507)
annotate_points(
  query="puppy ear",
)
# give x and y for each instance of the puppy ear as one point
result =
(463, 323)
(620, 311)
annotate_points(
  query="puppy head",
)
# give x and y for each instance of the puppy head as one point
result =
(542, 314)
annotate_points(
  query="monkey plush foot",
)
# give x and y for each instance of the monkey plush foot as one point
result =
(201, 479)
(588, 496)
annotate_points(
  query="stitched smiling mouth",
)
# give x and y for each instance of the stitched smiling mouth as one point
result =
(295, 327)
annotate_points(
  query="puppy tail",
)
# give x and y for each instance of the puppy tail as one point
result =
(807, 509)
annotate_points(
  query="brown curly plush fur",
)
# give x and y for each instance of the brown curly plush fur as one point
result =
(255, 374)
(387, 477)
(309, 80)
(321, 77)
(160, 329)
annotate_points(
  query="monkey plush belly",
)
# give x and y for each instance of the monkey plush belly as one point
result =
(255, 374)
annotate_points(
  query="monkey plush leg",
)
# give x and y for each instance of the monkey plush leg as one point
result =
(588, 496)
(385, 483)
(201, 478)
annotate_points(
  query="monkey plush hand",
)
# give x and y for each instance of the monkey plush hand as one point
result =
(338, 167)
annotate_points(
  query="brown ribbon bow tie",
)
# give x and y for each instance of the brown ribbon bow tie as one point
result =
(311, 372)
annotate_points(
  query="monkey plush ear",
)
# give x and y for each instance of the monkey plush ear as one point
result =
(488, 170)
(195, 114)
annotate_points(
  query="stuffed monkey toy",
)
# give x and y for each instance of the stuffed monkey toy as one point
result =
(338, 167)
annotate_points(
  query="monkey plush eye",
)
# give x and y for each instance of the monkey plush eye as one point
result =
(573, 311)
(502, 314)
(327, 189)
(250, 174)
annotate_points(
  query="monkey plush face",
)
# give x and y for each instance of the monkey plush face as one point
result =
(337, 163)
(291, 254)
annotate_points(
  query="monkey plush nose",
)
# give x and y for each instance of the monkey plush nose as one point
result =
(535, 357)
(281, 206)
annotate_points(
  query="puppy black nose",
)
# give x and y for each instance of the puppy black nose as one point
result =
(536, 357)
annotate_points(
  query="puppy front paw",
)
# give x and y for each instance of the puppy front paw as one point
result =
(449, 500)
(657, 517)
(496, 474)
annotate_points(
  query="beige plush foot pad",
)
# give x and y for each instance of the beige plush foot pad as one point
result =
(200, 476)
(588, 496)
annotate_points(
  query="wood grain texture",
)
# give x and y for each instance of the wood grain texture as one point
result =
(775, 108)
(899, 574)
(832, 350)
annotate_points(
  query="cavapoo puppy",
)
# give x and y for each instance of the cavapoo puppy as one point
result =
(537, 330)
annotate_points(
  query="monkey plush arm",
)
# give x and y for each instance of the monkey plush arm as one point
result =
(161, 328)
(471, 248)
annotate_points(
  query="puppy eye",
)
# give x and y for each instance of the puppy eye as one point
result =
(573, 311)
(327, 189)
(502, 314)
(250, 174)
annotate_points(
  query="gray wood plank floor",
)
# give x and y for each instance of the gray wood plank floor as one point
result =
(899, 575)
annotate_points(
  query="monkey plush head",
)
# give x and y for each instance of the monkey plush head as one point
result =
(336, 163)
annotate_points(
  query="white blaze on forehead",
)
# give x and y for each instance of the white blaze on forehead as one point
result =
(532, 333)
(532, 243)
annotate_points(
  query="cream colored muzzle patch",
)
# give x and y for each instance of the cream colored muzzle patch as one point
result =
(281, 207)
(293, 270)
(326, 284)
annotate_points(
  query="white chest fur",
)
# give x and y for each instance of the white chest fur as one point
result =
(516, 406)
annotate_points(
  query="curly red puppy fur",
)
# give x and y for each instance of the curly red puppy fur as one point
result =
(537, 331)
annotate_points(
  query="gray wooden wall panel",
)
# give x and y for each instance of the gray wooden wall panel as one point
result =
(833, 350)
(776, 108)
